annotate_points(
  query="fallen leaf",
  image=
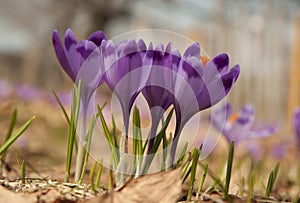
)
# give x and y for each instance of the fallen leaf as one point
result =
(159, 187)
(9, 196)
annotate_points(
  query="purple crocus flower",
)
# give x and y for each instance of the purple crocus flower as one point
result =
(81, 60)
(209, 82)
(125, 72)
(157, 91)
(296, 123)
(238, 126)
(190, 82)
(73, 53)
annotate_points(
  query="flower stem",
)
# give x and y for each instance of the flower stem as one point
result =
(122, 164)
(81, 148)
(79, 162)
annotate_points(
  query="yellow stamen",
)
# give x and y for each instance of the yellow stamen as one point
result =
(204, 60)
(233, 118)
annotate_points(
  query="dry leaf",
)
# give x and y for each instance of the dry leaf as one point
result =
(9, 196)
(159, 187)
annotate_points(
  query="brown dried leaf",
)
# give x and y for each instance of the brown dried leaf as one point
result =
(159, 187)
(9, 196)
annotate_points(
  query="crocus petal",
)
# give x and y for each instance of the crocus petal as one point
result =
(70, 39)
(260, 133)
(193, 50)
(85, 48)
(61, 55)
(246, 116)
(97, 37)
(221, 61)
(124, 80)
(220, 116)
(141, 45)
(215, 91)
(239, 129)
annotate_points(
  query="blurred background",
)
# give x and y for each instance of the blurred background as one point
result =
(262, 36)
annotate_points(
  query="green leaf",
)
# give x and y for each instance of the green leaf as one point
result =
(114, 129)
(23, 172)
(137, 141)
(165, 153)
(195, 157)
(157, 142)
(202, 180)
(61, 107)
(15, 136)
(214, 177)
(108, 137)
(270, 184)
(182, 154)
(99, 171)
(11, 126)
(272, 179)
(72, 129)
(276, 169)
(229, 168)
(92, 172)
(87, 149)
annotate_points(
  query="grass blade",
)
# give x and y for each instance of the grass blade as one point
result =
(23, 172)
(182, 155)
(157, 142)
(92, 172)
(11, 126)
(270, 184)
(229, 168)
(195, 157)
(137, 141)
(165, 153)
(72, 129)
(108, 137)
(202, 180)
(99, 171)
(15, 136)
(276, 169)
(272, 179)
(114, 129)
(87, 149)
(61, 107)
(213, 176)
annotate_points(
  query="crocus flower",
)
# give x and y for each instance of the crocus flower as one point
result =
(157, 90)
(190, 82)
(81, 60)
(238, 126)
(296, 123)
(125, 72)
(73, 53)
(209, 82)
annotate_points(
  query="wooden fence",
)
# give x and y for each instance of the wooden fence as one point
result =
(261, 36)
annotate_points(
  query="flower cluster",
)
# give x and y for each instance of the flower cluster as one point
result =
(189, 82)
